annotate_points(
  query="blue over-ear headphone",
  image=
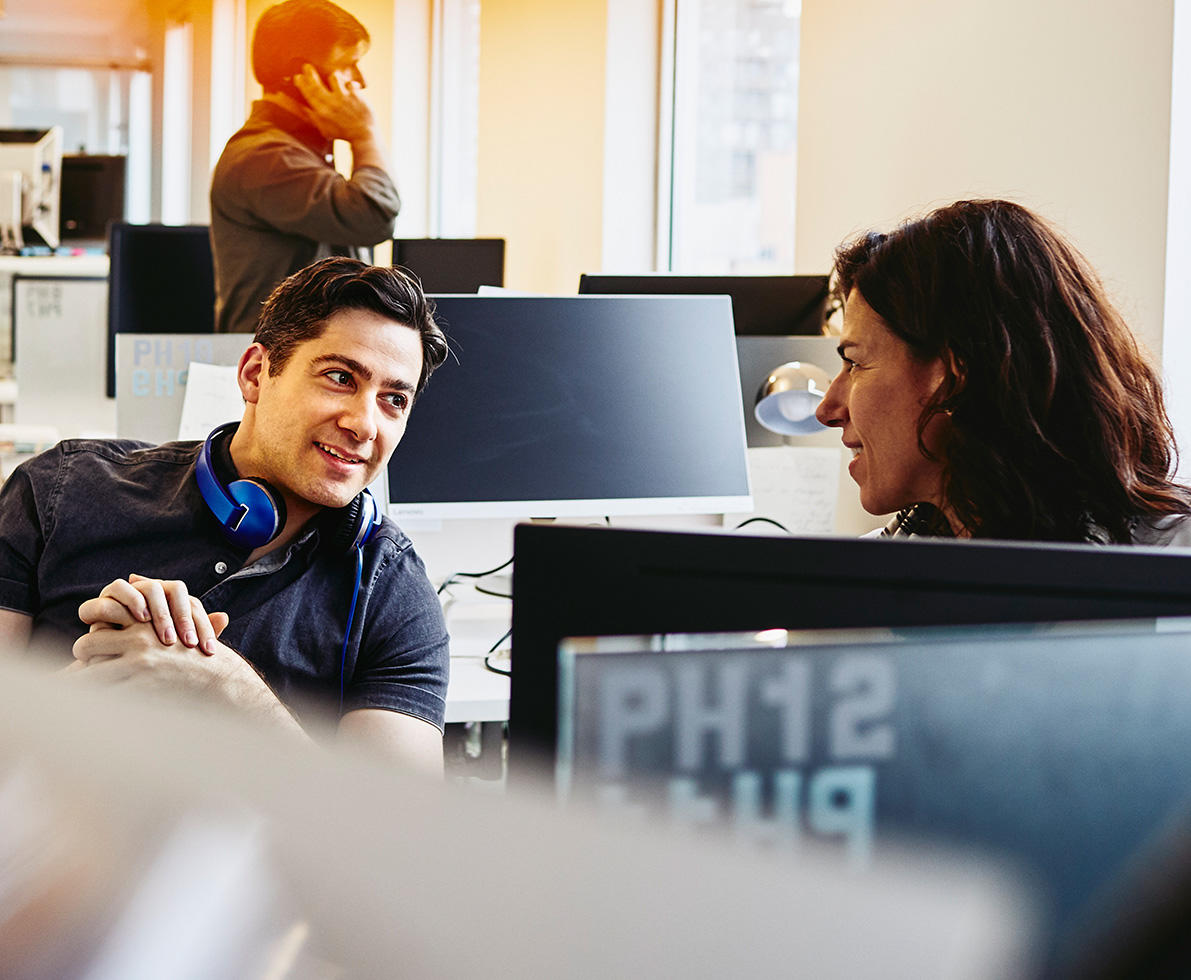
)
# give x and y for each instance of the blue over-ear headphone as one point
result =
(252, 513)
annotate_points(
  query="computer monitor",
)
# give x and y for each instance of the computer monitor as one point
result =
(762, 306)
(452, 265)
(592, 581)
(777, 319)
(36, 155)
(92, 196)
(161, 280)
(577, 406)
(1060, 749)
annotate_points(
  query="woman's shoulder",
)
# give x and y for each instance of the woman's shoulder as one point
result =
(1170, 531)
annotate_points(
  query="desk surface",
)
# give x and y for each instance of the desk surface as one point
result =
(55, 265)
(476, 693)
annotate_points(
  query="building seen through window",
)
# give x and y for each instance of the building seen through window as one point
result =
(735, 124)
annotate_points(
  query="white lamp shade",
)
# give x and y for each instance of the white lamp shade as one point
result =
(787, 399)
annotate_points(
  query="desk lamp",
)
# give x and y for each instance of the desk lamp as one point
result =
(787, 399)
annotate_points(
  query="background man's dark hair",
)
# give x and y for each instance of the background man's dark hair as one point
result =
(298, 309)
(298, 31)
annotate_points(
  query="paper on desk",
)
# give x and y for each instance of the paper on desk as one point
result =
(212, 398)
(797, 486)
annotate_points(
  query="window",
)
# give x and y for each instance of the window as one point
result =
(454, 145)
(732, 133)
(175, 135)
(101, 110)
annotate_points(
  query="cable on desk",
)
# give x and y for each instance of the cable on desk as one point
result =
(503, 671)
(454, 576)
(764, 520)
(492, 649)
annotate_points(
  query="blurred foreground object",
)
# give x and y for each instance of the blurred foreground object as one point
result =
(148, 840)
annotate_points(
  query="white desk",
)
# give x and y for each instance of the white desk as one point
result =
(476, 693)
(86, 264)
(475, 623)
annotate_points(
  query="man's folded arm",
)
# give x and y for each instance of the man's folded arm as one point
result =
(412, 743)
(15, 628)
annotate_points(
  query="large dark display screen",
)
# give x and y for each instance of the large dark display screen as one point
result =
(577, 405)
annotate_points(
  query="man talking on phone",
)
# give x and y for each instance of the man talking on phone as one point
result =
(277, 203)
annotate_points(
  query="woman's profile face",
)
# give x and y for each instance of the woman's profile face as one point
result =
(876, 400)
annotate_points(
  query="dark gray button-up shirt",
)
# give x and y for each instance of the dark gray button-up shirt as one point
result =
(89, 511)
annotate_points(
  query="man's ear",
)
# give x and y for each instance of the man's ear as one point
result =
(252, 370)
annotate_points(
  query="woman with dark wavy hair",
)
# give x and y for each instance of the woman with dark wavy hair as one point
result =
(990, 389)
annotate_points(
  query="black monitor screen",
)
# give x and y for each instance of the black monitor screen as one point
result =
(452, 265)
(761, 305)
(92, 196)
(161, 280)
(577, 405)
(592, 581)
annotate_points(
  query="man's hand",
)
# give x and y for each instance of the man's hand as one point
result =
(338, 110)
(136, 652)
(166, 603)
(135, 655)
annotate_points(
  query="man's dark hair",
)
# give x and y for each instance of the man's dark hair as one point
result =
(292, 33)
(298, 309)
(1056, 426)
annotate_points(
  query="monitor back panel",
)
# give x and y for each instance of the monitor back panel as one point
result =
(452, 265)
(153, 372)
(92, 196)
(162, 280)
(579, 581)
(764, 306)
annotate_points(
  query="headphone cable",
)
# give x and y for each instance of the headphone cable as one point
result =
(351, 615)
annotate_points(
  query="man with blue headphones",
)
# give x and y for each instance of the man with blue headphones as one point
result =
(266, 577)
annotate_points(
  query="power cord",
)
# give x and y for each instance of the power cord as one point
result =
(490, 662)
(455, 576)
(506, 671)
(764, 520)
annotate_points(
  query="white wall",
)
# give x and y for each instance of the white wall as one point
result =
(409, 123)
(1176, 339)
(540, 161)
(1063, 105)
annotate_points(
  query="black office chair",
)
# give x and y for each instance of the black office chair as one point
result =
(161, 280)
